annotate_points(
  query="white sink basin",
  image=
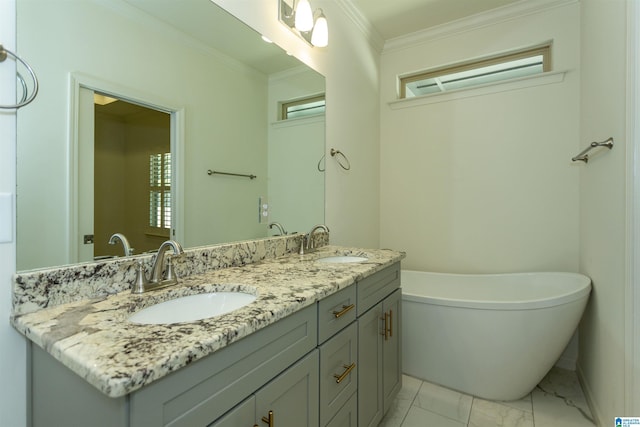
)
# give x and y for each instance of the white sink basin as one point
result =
(342, 259)
(192, 307)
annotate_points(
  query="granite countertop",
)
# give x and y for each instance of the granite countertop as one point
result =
(93, 337)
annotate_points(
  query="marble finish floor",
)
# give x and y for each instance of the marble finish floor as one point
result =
(557, 401)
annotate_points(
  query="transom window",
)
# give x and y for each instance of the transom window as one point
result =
(490, 70)
(310, 106)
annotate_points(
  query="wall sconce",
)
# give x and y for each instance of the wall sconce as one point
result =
(310, 25)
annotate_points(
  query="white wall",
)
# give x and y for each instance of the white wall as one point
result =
(603, 205)
(350, 65)
(12, 346)
(92, 38)
(296, 186)
(484, 183)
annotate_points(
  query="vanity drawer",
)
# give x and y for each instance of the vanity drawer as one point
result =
(376, 287)
(338, 372)
(199, 393)
(335, 312)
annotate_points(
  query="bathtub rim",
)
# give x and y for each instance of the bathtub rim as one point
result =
(579, 292)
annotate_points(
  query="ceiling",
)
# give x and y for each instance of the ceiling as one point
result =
(395, 18)
(204, 21)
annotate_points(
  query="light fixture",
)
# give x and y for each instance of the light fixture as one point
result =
(310, 25)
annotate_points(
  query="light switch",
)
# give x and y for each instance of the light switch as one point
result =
(6, 217)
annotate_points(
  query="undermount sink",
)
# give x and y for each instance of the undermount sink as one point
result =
(341, 259)
(191, 308)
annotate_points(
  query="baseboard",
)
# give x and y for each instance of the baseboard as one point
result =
(588, 394)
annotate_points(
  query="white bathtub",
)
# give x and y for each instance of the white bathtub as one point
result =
(493, 336)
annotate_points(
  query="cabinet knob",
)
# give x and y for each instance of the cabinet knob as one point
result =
(269, 419)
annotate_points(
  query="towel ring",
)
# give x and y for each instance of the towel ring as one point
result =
(319, 162)
(344, 163)
(3, 55)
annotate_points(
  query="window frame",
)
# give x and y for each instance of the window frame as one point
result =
(285, 105)
(544, 50)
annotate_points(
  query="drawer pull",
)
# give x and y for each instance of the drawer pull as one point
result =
(347, 371)
(391, 323)
(269, 420)
(385, 328)
(345, 309)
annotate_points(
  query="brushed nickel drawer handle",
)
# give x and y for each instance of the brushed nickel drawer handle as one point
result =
(348, 369)
(345, 309)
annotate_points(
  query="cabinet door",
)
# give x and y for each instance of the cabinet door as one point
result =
(347, 416)
(292, 397)
(370, 399)
(338, 371)
(242, 415)
(392, 344)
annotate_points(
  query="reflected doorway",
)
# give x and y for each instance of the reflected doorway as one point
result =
(132, 176)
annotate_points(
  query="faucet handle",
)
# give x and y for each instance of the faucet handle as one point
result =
(303, 241)
(141, 282)
(169, 274)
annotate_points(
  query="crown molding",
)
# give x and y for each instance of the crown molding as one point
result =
(362, 23)
(491, 17)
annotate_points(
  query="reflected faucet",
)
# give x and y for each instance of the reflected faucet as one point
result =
(279, 227)
(128, 251)
(313, 230)
(158, 279)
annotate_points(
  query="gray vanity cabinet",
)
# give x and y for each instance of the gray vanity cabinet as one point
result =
(289, 400)
(379, 345)
(332, 364)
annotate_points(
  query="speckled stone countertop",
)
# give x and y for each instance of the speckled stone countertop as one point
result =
(93, 337)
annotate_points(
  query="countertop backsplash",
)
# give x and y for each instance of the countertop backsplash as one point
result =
(43, 288)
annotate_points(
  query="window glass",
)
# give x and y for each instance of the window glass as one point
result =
(506, 67)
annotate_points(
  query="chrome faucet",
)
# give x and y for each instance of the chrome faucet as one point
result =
(128, 251)
(313, 230)
(158, 279)
(279, 227)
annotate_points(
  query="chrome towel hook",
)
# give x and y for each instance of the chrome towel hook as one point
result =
(3, 55)
(344, 163)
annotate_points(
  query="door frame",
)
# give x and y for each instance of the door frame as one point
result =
(632, 293)
(77, 81)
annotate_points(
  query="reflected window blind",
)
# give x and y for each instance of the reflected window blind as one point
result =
(160, 190)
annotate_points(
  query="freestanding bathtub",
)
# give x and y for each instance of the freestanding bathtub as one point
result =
(494, 336)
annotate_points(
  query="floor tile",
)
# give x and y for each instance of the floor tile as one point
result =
(523, 404)
(552, 411)
(492, 414)
(418, 417)
(557, 401)
(402, 402)
(443, 401)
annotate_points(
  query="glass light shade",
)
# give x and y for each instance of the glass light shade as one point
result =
(304, 16)
(320, 35)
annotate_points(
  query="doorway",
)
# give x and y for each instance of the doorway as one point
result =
(125, 174)
(132, 175)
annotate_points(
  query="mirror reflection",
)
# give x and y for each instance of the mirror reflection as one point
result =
(219, 91)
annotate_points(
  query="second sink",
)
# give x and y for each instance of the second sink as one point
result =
(342, 259)
(192, 307)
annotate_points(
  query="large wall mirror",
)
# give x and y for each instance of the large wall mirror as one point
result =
(133, 88)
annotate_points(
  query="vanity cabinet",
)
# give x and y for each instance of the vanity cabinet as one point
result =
(332, 364)
(289, 400)
(379, 345)
(195, 395)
